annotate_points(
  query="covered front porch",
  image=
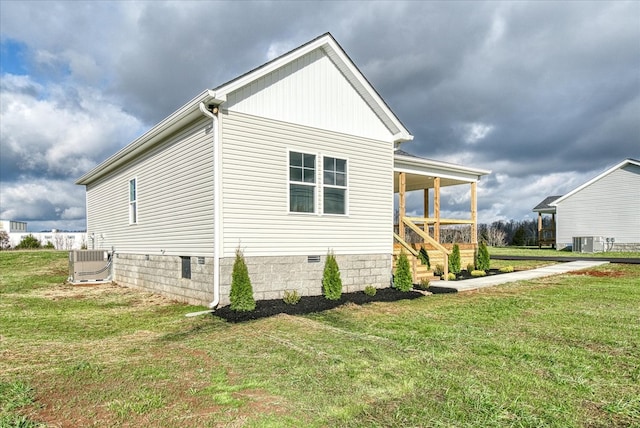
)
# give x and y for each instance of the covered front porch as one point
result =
(431, 236)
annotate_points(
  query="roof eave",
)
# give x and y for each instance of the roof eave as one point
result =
(171, 123)
(442, 166)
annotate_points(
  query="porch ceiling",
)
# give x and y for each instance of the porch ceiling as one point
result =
(421, 172)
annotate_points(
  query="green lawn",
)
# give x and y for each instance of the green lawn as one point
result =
(562, 351)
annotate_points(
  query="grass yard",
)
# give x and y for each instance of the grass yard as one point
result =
(560, 352)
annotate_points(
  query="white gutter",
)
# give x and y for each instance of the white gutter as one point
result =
(216, 214)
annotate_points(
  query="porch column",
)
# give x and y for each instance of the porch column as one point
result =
(436, 208)
(539, 229)
(402, 202)
(426, 210)
(474, 213)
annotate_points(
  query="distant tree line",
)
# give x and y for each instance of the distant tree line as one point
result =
(516, 233)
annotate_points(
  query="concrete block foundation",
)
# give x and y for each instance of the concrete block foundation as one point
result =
(270, 276)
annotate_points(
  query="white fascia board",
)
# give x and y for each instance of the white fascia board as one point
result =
(344, 64)
(437, 169)
(593, 180)
(177, 119)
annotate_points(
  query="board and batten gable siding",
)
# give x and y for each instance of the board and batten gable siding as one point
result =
(608, 208)
(310, 91)
(255, 186)
(175, 199)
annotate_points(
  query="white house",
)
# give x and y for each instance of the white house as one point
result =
(17, 230)
(606, 208)
(287, 162)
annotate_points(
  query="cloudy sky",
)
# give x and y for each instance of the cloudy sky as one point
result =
(545, 94)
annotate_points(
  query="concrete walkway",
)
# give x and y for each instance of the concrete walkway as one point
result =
(490, 281)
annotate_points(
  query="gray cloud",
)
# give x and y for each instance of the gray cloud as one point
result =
(545, 94)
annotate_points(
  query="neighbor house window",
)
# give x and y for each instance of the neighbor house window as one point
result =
(133, 201)
(302, 182)
(334, 188)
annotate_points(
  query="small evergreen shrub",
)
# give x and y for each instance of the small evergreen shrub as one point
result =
(506, 269)
(470, 267)
(370, 290)
(484, 259)
(439, 270)
(452, 276)
(241, 295)
(403, 280)
(424, 257)
(291, 297)
(29, 242)
(49, 246)
(331, 281)
(454, 259)
(477, 273)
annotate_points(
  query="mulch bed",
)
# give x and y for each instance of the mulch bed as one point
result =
(311, 304)
(467, 275)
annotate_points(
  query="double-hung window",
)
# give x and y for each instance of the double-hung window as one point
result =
(334, 186)
(302, 182)
(133, 201)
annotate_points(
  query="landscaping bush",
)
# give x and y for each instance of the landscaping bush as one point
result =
(423, 285)
(451, 276)
(370, 290)
(439, 270)
(29, 242)
(424, 257)
(454, 259)
(484, 259)
(403, 280)
(241, 295)
(331, 282)
(470, 267)
(477, 273)
(291, 297)
(506, 269)
(49, 246)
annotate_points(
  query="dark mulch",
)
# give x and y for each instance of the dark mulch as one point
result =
(311, 304)
(467, 275)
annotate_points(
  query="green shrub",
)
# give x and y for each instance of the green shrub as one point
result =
(454, 259)
(506, 269)
(423, 285)
(370, 290)
(484, 259)
(291, 297)
(241, 295)
(439, 270)
(28, 242)
(452, 276)
(49, 246)
(470, 267)
(403, 280)
(331, 282)
(477, 273)
(424, 257)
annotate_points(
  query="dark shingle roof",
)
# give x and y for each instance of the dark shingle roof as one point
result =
(544, 205)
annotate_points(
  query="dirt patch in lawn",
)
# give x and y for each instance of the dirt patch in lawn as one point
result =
(598, 273)
(311, 304)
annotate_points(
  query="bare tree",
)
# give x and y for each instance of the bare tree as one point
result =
(5, 243)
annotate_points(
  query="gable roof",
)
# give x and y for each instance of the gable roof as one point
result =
(190, 111)
(544, 206)
(339, 57)
(622, 164)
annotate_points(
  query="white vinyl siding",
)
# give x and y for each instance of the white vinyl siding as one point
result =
(607, 208)
(174, 199)
(255, 203)
(310, 91)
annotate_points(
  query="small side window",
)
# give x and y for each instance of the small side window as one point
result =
(186, 267)
(133, 201)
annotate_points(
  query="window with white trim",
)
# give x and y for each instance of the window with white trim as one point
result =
(133, 201)
(302, 182)
(334, 188)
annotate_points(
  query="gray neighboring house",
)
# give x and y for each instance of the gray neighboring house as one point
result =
(287, 162)
(606, 208)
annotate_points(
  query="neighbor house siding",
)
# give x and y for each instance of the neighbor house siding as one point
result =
(310, 91)
(607, 208)
(255, 191)
(174, 200)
